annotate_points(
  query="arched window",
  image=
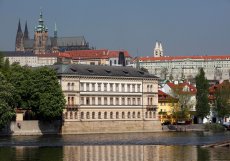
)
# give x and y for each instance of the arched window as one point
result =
(129, 115)
(134, 115)
(68, 86)
(154, 114)
(150, 114)
(71, 115)
(87, 115)
(117, 115)
(93, 115)
(111, 115)
(146, 114)
(105, 115)
(82, 115)
(99, 115)
(66, 115)
(72, 86)
(123, 115)
(75, 115)
(138, 115)
(147, 88)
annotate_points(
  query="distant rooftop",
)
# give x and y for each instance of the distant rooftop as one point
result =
(97, 70)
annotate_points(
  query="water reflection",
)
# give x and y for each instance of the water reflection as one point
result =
(114, 153)
(130, 153)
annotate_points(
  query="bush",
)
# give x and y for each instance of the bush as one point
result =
(213, 127)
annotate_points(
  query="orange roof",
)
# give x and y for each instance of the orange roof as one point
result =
(171, 58)
(192, 89)
(95, 54)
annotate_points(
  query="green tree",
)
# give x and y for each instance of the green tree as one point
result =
(7, 102)
(47, 99)
(222, 95)
(183, 105)
(202, 102)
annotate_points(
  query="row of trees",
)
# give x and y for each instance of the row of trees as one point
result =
(33, 89)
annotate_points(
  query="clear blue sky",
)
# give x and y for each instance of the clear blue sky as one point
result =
(185, 27)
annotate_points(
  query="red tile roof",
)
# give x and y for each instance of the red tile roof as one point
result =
(172, 58)
(95, 54)
(192, 89)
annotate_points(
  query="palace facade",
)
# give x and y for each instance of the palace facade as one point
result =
(186, 67)
(106, 99)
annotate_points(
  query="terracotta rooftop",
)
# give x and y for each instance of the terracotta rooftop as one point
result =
(95, 54)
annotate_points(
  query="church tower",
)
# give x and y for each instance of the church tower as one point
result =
(40, 36)
(158, 50)
(19, 39)
(54, 40)
(26, 33)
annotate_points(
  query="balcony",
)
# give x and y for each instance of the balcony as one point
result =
(151, 107)
(72, 107)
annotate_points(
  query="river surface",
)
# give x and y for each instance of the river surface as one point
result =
(166, 146)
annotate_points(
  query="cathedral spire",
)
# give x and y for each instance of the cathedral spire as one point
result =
(26, 33)
(19, 27)
(55, 30)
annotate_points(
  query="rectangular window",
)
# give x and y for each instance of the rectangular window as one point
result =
(123, 87)
(123, 101)
(93, 100)
(82, 86)
(111, 100)
(93, 86)
(105, 86)
(87, 101)
(99, 101)
(111, 87)
(128, 87)
(138, 88)
(117, 87)
(138, 101)
(129, 101)
(134, 101)
(117, 101)
(87, 86)
(133, 88)
(82, 100)
(105, 101)
(99, 86)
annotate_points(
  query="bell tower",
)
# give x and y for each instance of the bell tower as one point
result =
(158, 50)
(40, 36)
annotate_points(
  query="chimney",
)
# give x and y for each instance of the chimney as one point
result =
(121, 58)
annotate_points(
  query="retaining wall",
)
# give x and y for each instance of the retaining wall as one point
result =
(107, 126)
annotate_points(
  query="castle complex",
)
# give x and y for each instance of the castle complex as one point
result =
(42, 43)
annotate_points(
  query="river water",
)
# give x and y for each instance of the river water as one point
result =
(166, 146)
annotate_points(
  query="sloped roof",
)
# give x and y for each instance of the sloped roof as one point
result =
(71, 41)
(97, 70)
(18, 54)
(95, 54)
(180, 86)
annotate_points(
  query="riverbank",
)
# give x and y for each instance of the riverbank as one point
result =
(35, 127)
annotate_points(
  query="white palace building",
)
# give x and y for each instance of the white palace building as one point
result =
(108, 99)
(215, 67)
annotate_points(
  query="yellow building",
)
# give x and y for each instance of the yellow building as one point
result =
(166, 105)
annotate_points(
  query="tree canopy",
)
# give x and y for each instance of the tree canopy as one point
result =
(222, 95)
(33, 89)
(202, 102)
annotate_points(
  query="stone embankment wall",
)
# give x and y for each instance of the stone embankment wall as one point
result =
(110, 126)
(32, 127)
